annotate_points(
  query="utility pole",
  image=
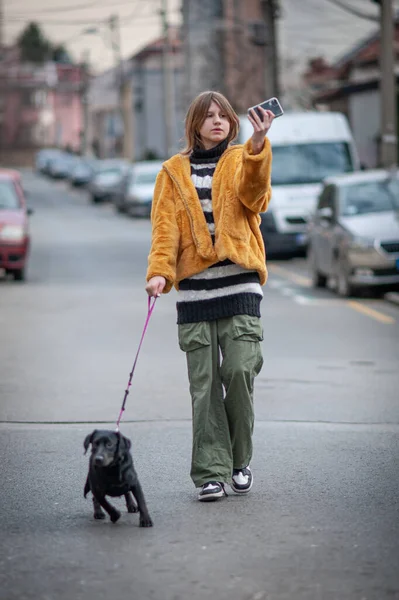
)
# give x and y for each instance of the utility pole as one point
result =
(85, 102)
(124, 87)
(389, 135)
(168, 87)
(2, 41)
(270, 15)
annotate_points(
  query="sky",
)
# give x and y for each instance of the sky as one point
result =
(306, 28)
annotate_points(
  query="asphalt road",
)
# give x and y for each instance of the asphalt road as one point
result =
(322, 521)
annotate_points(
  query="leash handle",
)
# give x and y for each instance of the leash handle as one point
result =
(151, 305)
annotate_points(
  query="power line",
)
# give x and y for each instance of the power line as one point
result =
(353, 11)
(76, 7)
(86, 22)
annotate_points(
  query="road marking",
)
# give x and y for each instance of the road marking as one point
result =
(304, 281)
(283, 272)
(371, 312)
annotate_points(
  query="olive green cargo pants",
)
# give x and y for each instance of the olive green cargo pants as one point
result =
(223, 359)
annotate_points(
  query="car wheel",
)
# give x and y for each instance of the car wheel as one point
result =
(19, 274)
(343, 287)
(318, 279)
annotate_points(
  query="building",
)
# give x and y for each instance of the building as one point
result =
(40, 105)
(227, 45)
(144, 71)
(351, 86)
(106, 127)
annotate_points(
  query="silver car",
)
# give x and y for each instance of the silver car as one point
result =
(136, 198)
(109, 177)
(354, 234)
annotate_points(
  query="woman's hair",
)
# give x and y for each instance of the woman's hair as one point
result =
(196, 116)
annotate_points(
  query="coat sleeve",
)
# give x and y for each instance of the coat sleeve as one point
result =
(252, 180)
(162, 258)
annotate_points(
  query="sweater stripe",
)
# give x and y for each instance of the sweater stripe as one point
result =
(202, 182)
(204, 193)
(219, 282)
(218, 270)
(204, 165)
(206, 205)
(196, 295)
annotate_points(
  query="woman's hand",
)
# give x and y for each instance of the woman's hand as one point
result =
(260, 127)
(155, 286)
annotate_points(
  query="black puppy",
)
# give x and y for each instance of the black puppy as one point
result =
(112, 473)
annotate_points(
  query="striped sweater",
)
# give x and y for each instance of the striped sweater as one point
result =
(224, 289)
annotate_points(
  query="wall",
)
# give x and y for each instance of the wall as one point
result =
(364, 116)
(149, 112)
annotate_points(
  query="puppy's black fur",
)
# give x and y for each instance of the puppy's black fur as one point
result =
(112, 473)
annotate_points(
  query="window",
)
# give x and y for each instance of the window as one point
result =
(257, 32)
(369, 197)
(8, 196)
(309, 163)
(146, 178)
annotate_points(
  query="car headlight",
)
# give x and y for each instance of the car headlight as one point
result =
(360, 243)
(12, 233)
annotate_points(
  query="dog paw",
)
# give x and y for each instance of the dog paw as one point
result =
(99, 516)
(146, 521)
(115, 516)
(132, 509)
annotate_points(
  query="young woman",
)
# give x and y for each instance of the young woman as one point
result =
(207, 243)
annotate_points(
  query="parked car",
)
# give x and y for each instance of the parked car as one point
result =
(136, 196)
(108, 179)
(44, 157)
(61, 165)
(354, 234)
(83, 171)
(14, 227)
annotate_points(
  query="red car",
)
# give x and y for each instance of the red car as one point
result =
(14, 228)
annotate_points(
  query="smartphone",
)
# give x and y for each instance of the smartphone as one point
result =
(272, 104)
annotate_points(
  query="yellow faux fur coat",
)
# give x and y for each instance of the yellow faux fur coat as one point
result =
(181, 243)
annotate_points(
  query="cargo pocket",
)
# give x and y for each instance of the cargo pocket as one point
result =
(247, 328)
(193, 336)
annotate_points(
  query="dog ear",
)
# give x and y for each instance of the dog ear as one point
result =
(128, 443)
(88, 440)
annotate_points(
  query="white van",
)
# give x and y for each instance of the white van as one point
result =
(307, 147)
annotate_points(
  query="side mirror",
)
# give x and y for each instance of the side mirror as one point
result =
(29, 212)
(325, 214)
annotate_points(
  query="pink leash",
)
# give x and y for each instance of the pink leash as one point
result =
(150, 309)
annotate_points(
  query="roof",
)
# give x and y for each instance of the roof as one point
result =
(361, 177)
(157, 45)
(361, 46)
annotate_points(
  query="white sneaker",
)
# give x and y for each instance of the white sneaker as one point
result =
(213, 490)
(242, 480)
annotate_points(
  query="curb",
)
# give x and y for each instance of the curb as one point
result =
(392, 297)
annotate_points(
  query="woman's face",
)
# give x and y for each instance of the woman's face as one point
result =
(215, 128)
